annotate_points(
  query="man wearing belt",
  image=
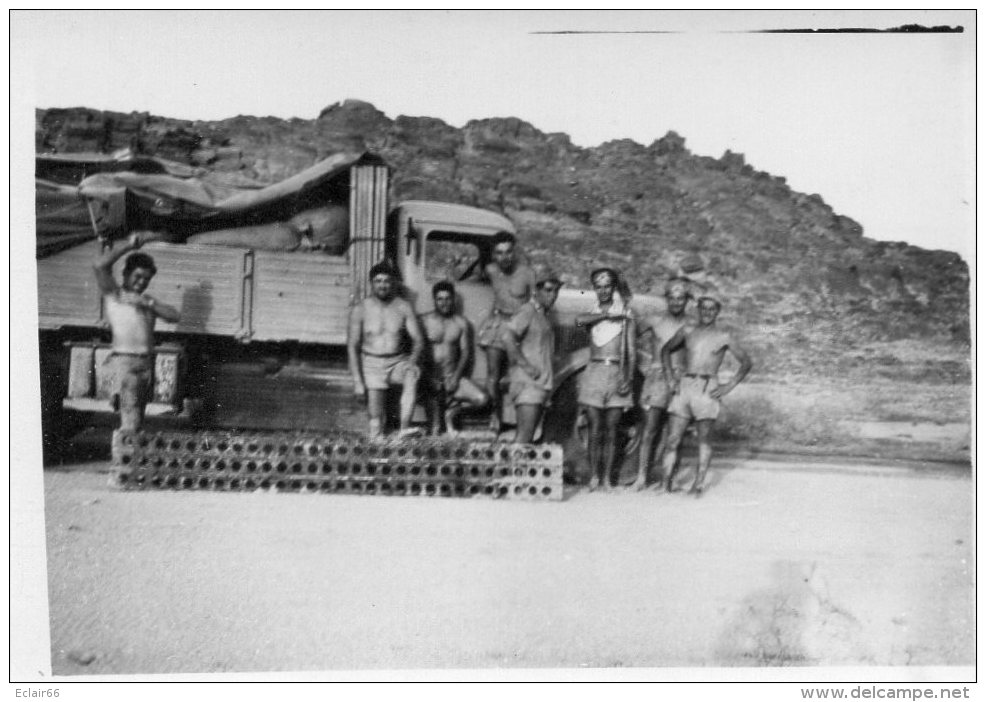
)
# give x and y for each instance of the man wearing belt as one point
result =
(377, 359)
(131, 314)
(604, 388)
(529, 340)
(654, 331)
(698, 394)
(513, 284)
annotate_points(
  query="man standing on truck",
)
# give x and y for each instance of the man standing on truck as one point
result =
(131, 314)
(529, 340)
(513, 284)
(697, 395)
(449, 352)
(376, 346)
(605, 386)
(653, 332)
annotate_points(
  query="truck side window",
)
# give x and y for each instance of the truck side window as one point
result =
(451, 260)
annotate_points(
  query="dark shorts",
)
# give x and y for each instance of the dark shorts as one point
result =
(135, 386)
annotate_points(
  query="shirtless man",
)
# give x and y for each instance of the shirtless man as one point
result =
(529, 340)
(131, 314)
(377, 359)
(513, 284)
(698, 394)
(449, 350)
(604, 389)
(654, 331)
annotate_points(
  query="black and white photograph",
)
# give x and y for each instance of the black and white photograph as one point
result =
(488, 346)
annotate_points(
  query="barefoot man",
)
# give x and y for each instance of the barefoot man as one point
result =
(377, 360)
(447, 356)
(655, 331)
(698, 394)
(604, 389)
(530, 343)
(131, 314)
(513, 285)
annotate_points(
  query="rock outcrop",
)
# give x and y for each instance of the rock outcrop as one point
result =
(801, 280)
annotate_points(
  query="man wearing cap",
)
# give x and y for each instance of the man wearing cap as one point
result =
(653, 332)
(529, 340)
(604, 388)
(448, 390)
(698, 394)
(377, 359)
(513, 284)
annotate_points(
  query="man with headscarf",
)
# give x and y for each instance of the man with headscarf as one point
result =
(653, 332)
(605, 385)
(697, 393)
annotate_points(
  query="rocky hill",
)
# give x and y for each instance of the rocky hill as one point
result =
(808, 291)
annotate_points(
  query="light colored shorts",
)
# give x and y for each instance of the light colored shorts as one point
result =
(655, 394)
(598, 387)
(524, 390)
(381, 372)
(692, 400)
(467, 390)
(488, 334)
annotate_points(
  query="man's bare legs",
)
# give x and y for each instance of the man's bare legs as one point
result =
(528, 417)
(603, 424)
(704, 427)
(676, 432)
(653, 424)
(409, 397)
(494, 370)
(376, 404)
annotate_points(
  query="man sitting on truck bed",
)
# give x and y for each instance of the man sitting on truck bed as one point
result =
(448, 390)
(375, 343)
(131, 315)
(513, 285)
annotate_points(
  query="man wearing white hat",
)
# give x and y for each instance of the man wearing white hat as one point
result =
(697, 395)
(605, 385)
(653, 332)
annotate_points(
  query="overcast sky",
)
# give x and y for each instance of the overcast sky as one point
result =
(881, 125)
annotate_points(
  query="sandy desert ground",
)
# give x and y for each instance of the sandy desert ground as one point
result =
(780, 563)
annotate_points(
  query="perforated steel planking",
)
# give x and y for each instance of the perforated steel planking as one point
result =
(335, 463)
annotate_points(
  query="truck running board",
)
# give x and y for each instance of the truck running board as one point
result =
(335, 463)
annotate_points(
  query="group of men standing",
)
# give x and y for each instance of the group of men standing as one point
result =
(681, 381)
(681, 376)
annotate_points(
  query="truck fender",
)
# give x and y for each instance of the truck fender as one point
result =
(569, 365)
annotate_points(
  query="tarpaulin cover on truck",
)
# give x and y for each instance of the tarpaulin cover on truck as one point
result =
(116, 203)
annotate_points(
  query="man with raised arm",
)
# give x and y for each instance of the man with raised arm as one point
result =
(529, 340)
(513, 284)
(131, 314)
(653, 332)
(448, 354)
(697, 396)
(378, 327)
(605, 385)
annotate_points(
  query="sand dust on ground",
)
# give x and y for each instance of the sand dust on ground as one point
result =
(785, 565)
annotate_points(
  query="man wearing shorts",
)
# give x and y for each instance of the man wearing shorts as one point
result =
(448, 353)
(513, 284)
(131, 314)
(605, 385)
(529, 340)
(653, 332)
(377, 360)
(697, 396)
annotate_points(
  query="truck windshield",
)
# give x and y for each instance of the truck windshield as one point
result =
(449, 257)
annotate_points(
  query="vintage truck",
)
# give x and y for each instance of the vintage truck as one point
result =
(261, 341)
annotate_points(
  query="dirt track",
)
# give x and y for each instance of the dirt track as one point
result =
(778, 564)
